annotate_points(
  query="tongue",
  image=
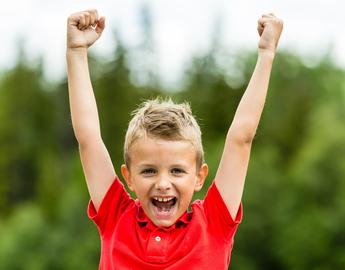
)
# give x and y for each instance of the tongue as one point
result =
(164, 205)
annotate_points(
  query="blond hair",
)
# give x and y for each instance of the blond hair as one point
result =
(164, 119)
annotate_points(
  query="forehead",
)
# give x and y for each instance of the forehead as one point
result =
(151, 151)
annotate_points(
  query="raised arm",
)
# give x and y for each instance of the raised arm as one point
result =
(233, 166)
(83, 29)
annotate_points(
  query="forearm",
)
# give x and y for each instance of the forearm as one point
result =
(81, 97)
(249, 110)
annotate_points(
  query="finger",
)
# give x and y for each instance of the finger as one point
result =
(93, 20)
(91, 11)
(93, 16)
(260, 29)
(73, 19)
(268, 15)
(87, 19)
(100, 25)
(81, 22)
(262, 22)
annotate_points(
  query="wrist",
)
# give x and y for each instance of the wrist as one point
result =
(76, 50)
(76, 54)
(266, 54)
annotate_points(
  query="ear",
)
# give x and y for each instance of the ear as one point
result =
(127, 176)
(201, 176)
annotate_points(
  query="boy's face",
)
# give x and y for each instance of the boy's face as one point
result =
(164, 176)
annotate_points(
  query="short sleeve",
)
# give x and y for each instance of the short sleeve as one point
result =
(218, 215)
(114, 203)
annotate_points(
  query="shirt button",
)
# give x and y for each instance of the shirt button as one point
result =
(157, 238)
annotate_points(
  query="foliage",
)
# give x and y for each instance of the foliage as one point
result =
(294, 200)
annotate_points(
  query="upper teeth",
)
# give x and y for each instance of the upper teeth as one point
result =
(163, 199)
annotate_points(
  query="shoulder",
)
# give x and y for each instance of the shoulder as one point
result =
(214, 212)
(114, 204)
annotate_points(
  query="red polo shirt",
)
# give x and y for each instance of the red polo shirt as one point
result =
(200, 239)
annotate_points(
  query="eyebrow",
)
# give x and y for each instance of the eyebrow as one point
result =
(179, 165)
(144, 165)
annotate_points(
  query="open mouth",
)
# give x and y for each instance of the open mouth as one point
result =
(164, 206)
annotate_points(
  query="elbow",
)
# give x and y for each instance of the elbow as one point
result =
(83, 141)
(87, 143)
(242, 134)
(85, 136)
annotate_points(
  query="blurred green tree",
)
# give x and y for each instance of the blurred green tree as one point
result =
(294, 199)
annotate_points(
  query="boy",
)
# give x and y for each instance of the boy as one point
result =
(163, 166)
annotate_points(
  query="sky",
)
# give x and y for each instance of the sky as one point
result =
(181, 29)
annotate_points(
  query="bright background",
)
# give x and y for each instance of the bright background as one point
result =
(180, 28)
(200, 51)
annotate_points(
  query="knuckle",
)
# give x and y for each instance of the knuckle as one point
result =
(72, 17)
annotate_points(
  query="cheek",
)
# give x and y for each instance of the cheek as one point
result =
(141, 188)
(187, 187)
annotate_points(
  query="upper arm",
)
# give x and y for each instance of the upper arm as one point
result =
(98, 169)
(232, 172)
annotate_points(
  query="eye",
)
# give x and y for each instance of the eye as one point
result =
(148, 171)
(177, 171)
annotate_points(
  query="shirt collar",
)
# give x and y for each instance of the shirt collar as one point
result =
(144, 221)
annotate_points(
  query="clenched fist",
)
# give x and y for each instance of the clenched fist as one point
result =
(269, 29)
(84, 28)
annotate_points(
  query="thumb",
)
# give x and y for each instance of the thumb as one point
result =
(100, 25)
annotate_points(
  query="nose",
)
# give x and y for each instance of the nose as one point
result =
(163, 183)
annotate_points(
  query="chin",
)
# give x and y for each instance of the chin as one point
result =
(164, 223)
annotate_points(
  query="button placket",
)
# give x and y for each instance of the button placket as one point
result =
(157, 245)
